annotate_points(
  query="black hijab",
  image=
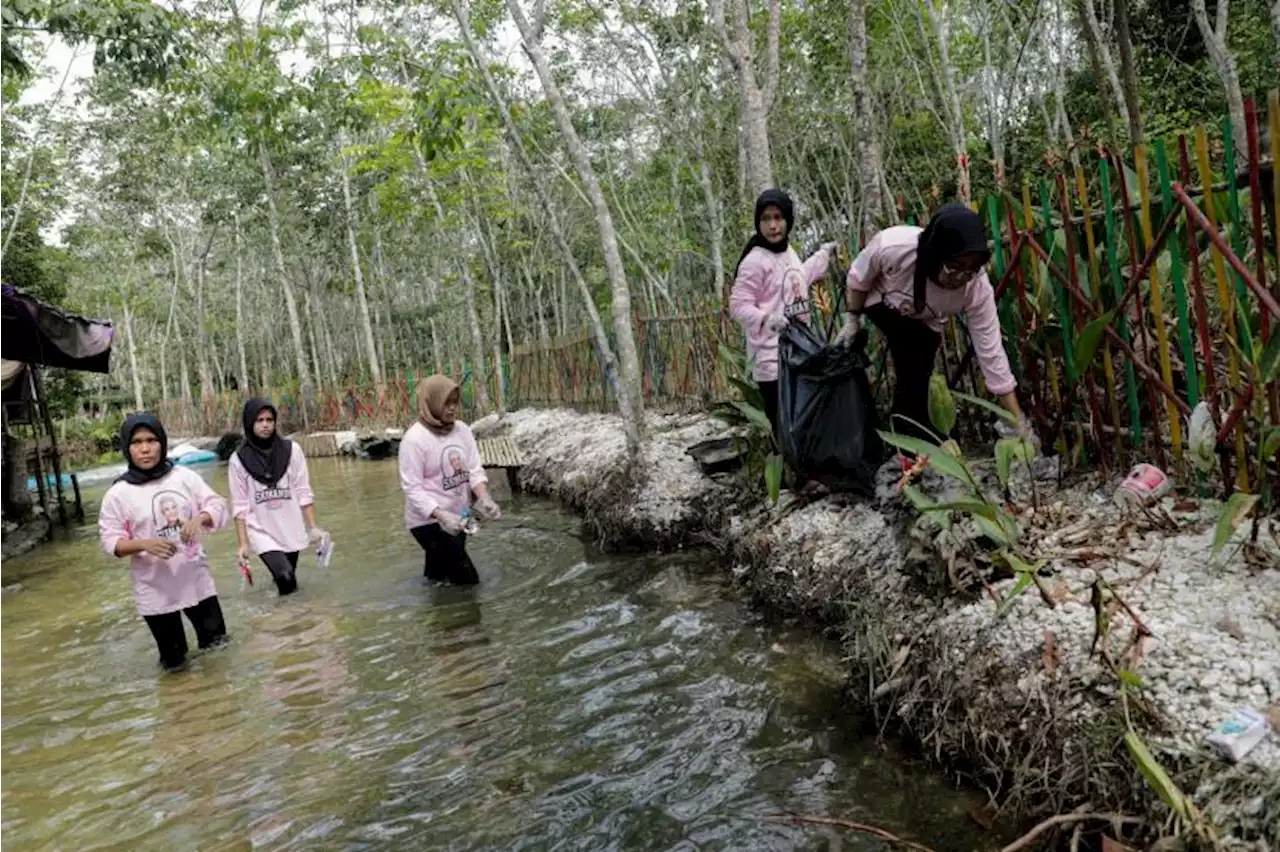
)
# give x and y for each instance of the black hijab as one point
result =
(266, 459)
(953, 230)
(136, 475)
(770, 198)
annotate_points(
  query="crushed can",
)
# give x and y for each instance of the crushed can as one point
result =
(1237, 736)
(1144, 485)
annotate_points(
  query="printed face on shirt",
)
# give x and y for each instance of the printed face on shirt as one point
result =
(453, 468)
(795, 294)
(169, 510)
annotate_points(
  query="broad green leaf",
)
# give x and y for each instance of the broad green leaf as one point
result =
(1024, 580)
(942, 405)
(1131, 679)
(1009, 450)
(1269, 361)
(1235, 510)
(1271, 444)
(973, 507)
(1090, 338)
(773, 476)
(942, 461)
(1168, 791)
(1003, 530)
(754, 415)
(1018, 565)
(997, 410)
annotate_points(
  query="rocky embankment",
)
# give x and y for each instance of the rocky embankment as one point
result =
(1033, 703)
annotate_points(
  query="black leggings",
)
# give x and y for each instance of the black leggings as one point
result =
(446, 556)
(284, 569)
(171, 638)
(913, 347)
(769, 390)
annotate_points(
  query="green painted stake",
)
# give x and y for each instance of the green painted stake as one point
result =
(1064, 303)
(1176, 272)
(1117, 286)
(1006, 318)
(1233, 208)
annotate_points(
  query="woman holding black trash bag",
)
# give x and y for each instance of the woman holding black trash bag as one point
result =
(771, 288)
(909, 281)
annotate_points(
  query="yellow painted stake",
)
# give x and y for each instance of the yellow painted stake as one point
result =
(1155, 298)
(1095, 282)
(1225, 296)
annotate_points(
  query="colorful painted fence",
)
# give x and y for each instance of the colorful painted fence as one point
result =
(1130, 289)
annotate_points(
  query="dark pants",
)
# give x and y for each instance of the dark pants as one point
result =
(446, 556)
(913, 347)
(284, 569)
(171, 638)
(769, 390)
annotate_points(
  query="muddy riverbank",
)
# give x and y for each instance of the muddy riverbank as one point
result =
(1022, 704)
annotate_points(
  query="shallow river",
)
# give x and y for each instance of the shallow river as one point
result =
(574, 701)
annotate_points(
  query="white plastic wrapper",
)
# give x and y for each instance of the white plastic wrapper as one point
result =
(1202, 438)
(1237, 736)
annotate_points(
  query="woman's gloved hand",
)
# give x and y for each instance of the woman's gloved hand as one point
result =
(449, 522)
(1020, 428)
(832, 250)
(844, 337)
(776, 323)
(488, 509)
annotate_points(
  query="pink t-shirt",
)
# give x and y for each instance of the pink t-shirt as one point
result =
(438, 471)
(272, 515)
(771, 284)
(157, 509)
(885, 271)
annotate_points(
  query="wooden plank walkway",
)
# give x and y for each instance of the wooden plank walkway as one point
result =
(499, 452)
(502, 453)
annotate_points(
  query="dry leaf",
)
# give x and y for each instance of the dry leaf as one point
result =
(1109, 845)
(1187, 506)
(1050, 655)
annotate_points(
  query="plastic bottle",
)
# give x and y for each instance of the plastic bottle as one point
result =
(469, 524)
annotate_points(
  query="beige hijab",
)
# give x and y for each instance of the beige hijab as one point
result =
(433, 393)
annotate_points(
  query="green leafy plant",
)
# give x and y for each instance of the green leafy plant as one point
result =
(763, 462)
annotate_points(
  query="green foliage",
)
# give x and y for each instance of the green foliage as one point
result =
(1235, 510)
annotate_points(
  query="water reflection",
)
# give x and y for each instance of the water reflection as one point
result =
(572, 701)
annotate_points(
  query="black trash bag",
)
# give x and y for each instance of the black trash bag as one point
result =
(826, 413)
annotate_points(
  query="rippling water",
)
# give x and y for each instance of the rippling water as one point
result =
(573, 701)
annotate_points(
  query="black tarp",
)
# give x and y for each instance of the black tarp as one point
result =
(35, 332)
(826, 413)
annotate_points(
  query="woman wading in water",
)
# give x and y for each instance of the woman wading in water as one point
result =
(155, 514)
(440, 472)
(271, 497)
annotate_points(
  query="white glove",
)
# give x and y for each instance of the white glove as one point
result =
(315, 534)
(487, 509)
(844, 337)
(449, 522)
(775, 324)
(832, 249)
(1021, 428)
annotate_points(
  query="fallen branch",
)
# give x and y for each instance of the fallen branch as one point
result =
(849, 824)
(1065, 819)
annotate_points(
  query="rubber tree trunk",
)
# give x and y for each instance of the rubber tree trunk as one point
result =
(756, 100)
(1128, 72)
(366, 325)
(875, 206)
(1224, 62)
(290, 303)
(244, 361)
(630, 400)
